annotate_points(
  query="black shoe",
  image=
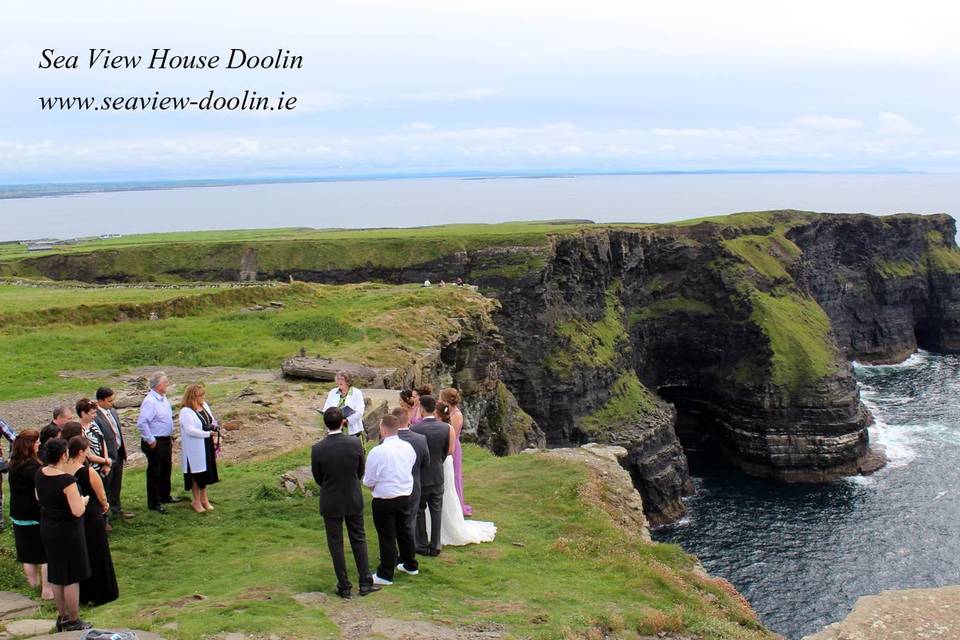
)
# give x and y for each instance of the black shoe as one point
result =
(371, 588)
(76, 625)
(171, 500)
(159, 509)
(434, 552)
(423, 551)
(345, 593)
(59, 624)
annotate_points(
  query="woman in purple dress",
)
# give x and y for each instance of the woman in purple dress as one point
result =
(451, 397)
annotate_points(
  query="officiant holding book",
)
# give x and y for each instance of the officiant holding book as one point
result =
(349, 400)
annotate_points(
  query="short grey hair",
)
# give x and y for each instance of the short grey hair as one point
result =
(156, 378)
(61, 410)
(346, 375)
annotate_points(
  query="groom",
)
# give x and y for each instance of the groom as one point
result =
(440, 440)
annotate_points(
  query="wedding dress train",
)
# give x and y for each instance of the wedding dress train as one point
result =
(454, 529)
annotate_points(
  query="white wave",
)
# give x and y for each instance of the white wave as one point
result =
(861, 480)
(915, 360)
(899, 444)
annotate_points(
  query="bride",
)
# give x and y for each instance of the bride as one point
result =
(454, 529)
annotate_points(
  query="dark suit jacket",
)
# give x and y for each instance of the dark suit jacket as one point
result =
(419, 444)
(437, 433)
(337, 464)
(115, 450)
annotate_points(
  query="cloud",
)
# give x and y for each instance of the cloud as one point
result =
(827, 123)
(463, 95)
(419, 126)
(894, 124)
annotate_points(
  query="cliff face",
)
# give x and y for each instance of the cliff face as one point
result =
(735, 331)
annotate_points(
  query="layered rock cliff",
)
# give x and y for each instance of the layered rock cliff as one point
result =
(736, 331)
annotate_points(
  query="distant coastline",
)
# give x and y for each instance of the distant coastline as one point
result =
(57, 189)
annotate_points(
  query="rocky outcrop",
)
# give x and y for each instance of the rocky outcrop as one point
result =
(911, 614)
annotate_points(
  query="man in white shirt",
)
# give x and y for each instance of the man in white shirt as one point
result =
(156, 427)
(389, 474)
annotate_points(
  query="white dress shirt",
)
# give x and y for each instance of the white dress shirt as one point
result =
(389, 472)
(156, 417)
(354, 401)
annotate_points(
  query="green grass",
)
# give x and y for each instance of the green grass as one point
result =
(588, 344)
(378, 325)
(943, 259)
(768, 255)
(630, 403)
(16, 298)
(898, 269)
(558, 566)
(670, 306)
(800, 337)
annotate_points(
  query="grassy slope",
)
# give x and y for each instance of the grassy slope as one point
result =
(558, 568)
(373, 324)
(18, 298)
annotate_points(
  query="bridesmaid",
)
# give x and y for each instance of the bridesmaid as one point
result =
(451, 397)
(416, 414)
(101, 587)
(25, 510)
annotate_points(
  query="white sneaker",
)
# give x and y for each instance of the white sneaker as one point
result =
(415, 572)
(380, 581)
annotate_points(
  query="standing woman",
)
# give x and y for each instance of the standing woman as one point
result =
(451, 397)
(344, 396)
(97, 454)
(61, 528)
(101, 587)
(198, 458)
(25, 510)
(416, 415)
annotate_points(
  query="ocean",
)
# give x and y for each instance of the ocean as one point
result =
(803, 554)
(430, 201)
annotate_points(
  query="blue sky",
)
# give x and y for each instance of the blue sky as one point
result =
(426, 86)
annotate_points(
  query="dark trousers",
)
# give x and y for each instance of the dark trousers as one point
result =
(159, 462)
(112, 485)
(410, 563)
(390, 516)
(430, 498)
(358, 544)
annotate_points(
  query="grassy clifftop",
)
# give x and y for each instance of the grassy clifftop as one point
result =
(559, 568)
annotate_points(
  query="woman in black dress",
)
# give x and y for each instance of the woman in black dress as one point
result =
(61, 527)
(198, 428)
(101, 586)
(25, 510)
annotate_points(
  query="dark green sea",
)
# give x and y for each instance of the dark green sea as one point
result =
(802, 555)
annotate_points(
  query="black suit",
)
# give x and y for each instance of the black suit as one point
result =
(437, 434)
(117, 452)
(337, 464)
(419, 444)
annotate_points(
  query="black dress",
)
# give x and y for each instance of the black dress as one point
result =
(62, 533)
(209, 476)
(101, 586)
(24, 509)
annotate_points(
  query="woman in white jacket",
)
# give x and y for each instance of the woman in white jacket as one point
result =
(198, 458)
(346, 395)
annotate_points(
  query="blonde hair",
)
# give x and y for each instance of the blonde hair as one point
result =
(451, 396)
(193, 395)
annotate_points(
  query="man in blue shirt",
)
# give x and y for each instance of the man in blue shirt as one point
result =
(156, 426)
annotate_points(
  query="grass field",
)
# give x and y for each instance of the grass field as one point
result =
(14, 298)
(379, 325)
(558, 567)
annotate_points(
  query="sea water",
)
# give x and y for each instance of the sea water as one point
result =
(803, 554)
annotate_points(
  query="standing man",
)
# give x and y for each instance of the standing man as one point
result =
(337, 464)
(440, 441)
(389, 475)
(156, 425)
(62, 414)
(419, 444)
(109, 421)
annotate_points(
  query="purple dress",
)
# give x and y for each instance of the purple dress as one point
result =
(458, 473)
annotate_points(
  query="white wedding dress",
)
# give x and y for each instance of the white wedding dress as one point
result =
(454, 529)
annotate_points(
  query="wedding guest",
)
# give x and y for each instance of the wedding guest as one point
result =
(61, 528)
(417, 414)
(440, 438)
(198, 428)
(451, 397)
(407, 402)
(7, 432)
(337, 463)
(349, 400)
(389, 474)
(101, 586)
(109, 422)
(97, 455)
(419, 444)
(156, 426)
(25, 510)
(62, 414)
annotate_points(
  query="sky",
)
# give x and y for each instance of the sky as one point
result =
(421, 86)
